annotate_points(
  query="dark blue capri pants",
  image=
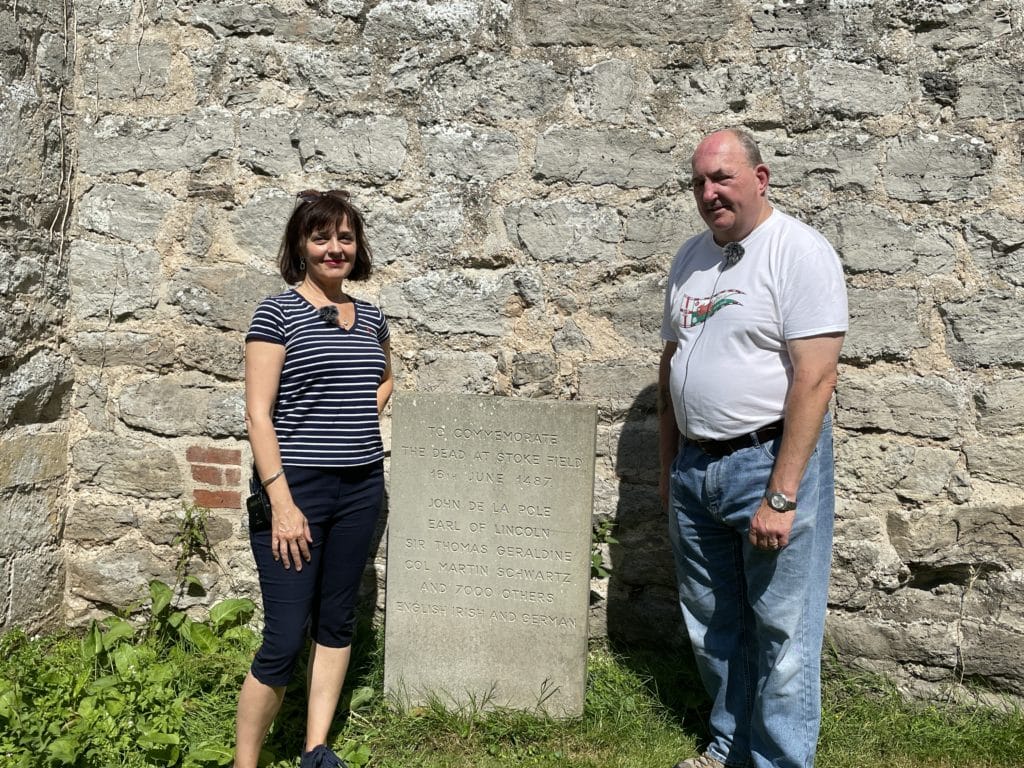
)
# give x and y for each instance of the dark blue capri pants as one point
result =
(341, 505)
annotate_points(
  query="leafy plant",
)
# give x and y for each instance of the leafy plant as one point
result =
(602, 534)
(116, 690)
(192, 540)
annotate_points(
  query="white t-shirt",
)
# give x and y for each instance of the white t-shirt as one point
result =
(731, 369)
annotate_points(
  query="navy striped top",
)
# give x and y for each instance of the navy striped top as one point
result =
(326, 409)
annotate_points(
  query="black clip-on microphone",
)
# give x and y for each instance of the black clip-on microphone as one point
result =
(732, 252)
(329, 314)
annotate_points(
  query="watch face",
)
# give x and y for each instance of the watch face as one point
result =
(779, 502)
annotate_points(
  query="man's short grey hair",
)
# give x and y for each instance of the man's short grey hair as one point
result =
(749, 146)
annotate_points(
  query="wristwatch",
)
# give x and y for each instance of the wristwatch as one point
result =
(779, 501)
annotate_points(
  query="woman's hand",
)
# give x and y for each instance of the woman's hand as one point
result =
(289, 535)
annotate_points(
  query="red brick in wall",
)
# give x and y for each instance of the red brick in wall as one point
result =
(217, 475)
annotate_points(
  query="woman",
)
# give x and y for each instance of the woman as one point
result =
(317, 376)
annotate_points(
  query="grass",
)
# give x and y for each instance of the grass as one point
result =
(165, 696)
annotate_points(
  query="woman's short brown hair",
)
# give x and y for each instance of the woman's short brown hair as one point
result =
(317, 211)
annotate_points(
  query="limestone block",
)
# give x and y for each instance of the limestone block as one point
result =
(657, 230)
(112, 281)
(266, 141)
(872, 637)
(936, 167)
(225, 19)
(29, 518)
(619, 387)
(951, 549)
(115, 348)
(1001, 406)
(929, 473)
(90, 401)
(927, 406)
(339, 75)
(634, 446)
(850, 162)
(36, 390)
(127, 466)
(870, 465)
(372, 148)
(20, 272)
(607, 91)
(484, 298)
(118, 575)
(780, 25)
(643, 555)
(985, 330)
(997, 458)
(864, 558)
(456, 372)
(126, 71)
(199, 238)
(468, 153)
(258, 224)
(425, 230)
(706, 92)
(35, 604)
(884, 324)
(32, 458)
(954, 26)
(119, 143)
(991, 88)
(129, 213)
(997, 244)
(105, 18)
(846, 90)
(91, 525)
(221, 297)
(534, 374)
(615, 23)
(919, 535)
(492, 90)
(871, 238)
(564, 231)
(482, 23)
(992, 653)
(569, 340)
(184, 404)
(622, 157)
(634, 310)
(219, 354)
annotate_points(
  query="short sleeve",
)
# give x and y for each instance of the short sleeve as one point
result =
(383, 331)
(267, 323)
(813, 297)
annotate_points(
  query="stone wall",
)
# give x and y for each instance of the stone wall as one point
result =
(524, 167)
(36, 99)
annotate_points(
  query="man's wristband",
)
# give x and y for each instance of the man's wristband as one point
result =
(273, 477)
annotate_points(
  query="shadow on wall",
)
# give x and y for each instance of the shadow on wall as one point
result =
(645, 627)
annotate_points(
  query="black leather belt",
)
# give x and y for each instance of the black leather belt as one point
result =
(720, 448)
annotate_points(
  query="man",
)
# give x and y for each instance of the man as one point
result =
(755, 314)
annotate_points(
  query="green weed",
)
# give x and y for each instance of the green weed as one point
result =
(163, 693)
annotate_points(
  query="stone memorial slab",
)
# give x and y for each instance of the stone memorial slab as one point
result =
(489, 552)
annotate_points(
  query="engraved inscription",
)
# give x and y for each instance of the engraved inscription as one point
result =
(495, 499)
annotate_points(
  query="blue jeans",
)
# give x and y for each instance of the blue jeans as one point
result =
(756, 618)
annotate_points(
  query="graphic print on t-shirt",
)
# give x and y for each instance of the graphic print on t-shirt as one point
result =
(696, 310)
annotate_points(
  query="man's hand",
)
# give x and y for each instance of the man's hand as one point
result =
(769, 530)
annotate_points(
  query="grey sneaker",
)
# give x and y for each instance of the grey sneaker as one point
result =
(321, 757)
(701, 761)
